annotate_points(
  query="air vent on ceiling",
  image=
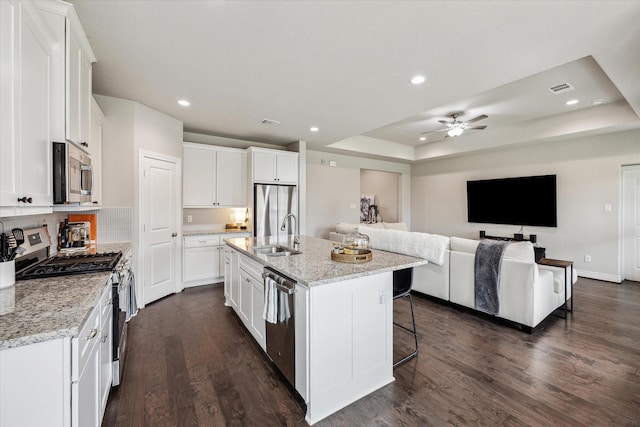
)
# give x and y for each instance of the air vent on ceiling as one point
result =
(269, 122)
(561, 88)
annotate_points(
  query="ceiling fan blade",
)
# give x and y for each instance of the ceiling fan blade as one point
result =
(444, 122)
(476, 127)
(475, 119)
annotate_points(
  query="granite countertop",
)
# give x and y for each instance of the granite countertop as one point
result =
(314, 265)
(51, 308)
(195, 230)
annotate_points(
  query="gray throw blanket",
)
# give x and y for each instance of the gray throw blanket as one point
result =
(487, 275)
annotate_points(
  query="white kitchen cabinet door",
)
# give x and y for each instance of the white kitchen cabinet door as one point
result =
(25, 111)
(264, 166)
(106, 359)
(274, 166)
(227, 275)
(287, 168)
(234, 293)
(95, 150)
(258, 326)
(231, 178)
(86, 372)
(78, 87)
(201, 265)
(245, 298)
(214, 177)
(199, 177)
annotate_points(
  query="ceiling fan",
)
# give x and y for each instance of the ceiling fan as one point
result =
(456, 127)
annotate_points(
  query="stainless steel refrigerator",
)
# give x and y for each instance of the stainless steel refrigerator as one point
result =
(271, 204)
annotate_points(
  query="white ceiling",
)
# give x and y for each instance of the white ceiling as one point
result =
(345, 66)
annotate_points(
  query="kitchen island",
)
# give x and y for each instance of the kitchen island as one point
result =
(343, 317)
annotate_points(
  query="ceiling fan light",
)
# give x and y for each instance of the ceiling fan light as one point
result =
(456, 131)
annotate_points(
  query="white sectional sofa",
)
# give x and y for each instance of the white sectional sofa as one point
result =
(528, 292)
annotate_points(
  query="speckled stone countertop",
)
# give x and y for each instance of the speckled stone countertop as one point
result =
(314, 265)
(195, 230)
(54, 307)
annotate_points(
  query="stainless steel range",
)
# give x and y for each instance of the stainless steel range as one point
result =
(35, 263)
(72, 264)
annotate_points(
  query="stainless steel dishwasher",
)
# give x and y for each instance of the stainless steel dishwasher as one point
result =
(280, 336)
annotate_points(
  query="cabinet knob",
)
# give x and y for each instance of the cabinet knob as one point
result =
(84, 144)
(174, 234)
(92, 334)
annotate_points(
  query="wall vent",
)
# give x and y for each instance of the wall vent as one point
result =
(561, 88)
(269, 122)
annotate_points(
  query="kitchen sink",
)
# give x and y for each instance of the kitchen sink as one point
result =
(275, 250)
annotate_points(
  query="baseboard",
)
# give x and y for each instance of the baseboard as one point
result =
(599, 276)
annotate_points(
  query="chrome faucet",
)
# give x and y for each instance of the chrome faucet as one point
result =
(296, 240)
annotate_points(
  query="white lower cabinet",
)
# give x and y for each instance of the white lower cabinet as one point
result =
(62, 382)
(203, 258)
(243, 279)
(106, 348)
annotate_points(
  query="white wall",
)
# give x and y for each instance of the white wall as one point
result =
(588, 176)
(118, 134)
(386, 188)
(332, 191)
(128, 127)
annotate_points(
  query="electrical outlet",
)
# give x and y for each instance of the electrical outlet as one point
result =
(587, 258)
(607, 207)
(353, 205)
(189, 218)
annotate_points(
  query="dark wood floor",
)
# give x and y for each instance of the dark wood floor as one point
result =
(191, 363)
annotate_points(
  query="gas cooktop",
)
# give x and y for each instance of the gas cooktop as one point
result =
(72, 264)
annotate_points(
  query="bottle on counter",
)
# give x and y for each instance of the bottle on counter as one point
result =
(63, 235)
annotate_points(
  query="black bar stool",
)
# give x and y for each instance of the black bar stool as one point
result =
(402, 282)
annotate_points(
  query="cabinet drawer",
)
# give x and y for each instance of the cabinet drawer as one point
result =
(201, 240)
(252, 267)
(84, 343)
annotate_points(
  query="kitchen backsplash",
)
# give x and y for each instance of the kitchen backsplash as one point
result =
(212, 216)
(115, 225)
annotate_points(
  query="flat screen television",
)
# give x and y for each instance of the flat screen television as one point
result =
(528, 200)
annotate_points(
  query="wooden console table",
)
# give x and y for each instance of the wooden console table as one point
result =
(562, 264)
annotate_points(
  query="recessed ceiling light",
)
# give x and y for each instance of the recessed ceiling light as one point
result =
(314, 129)
(572, 102)
(184, 102)
(423, 138)
(597, 101)
(416, 80)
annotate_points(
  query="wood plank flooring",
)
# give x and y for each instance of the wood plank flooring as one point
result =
(191, 363)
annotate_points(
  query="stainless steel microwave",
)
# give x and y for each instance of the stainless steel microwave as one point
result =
(72, 174)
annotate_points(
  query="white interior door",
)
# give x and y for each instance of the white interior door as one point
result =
(159, 212)
(631, 223)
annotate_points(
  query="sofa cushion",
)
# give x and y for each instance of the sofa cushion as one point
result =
(522, 251)
(402, 226)
(460, 244)
(431, 247)
(346, 228)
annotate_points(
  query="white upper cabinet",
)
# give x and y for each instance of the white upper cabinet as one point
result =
(274, 166)
(73, 65)
(78, 87)
(95, 150)
(214, 176)
(26, 80)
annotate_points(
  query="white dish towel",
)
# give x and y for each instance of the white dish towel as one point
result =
(270, 312)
